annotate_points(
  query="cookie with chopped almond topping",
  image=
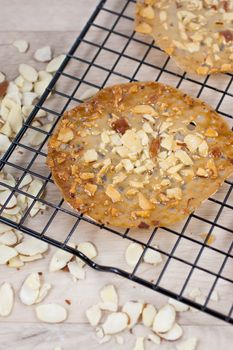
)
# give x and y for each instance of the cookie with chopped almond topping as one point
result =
(140, 155)
(198, 34)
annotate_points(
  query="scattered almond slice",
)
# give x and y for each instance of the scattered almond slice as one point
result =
(99, 332)
(6, 253)
(76, 270)
(25, 258)
(51, 313)
(53, 65)
(2, 77)
(31, 246)
(189, 344)
(115, 323)
(59, 260)
(29, 98)
(94, 315)
(6, 299)
(139, 345)
(133, 309)
(164, 319)
(44, 54)
(8, 238)
(29, 291)
(152, 256)
(119, 339)
(39, 87)
(133, 253)
(109, 297)
(173, 334)
(43, 292)
(3, 227)
(88, 249)
(28, 72)
(15, 262)
(21, 45)
(154, 338)
(180, 307)
(4, 143)
(27, 179)
(148, 315)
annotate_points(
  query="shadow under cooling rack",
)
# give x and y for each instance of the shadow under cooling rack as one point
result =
(108, 51)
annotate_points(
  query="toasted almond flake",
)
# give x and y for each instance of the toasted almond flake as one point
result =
(28, 72)
(203, 149)
(43, 292)
(44, 54)
(109, 298)
(144, 203)
(59, 260)
(180, 307)
(15, 262)
(35, 257)
(139, 345)
(192, 142)
(94, 315)
(152, 256)
(8, 238)
(51, 313)
(133, 253)
(29, 291)
(21, 45)
(2, 77)
(188, 344)
(183, 157)
(88, 93)
(6, 253)
(154, 338)
(143, 109)
(31, 246)
(115, 323)
(53, 65)
(6, 299)
(148, 315)
(4, 143)
(133, 309)
(76, 270)
(164, 319)
(173, 334)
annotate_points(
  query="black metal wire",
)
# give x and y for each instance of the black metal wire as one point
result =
(58, 208)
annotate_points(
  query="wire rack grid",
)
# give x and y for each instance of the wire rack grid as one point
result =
(108, 51)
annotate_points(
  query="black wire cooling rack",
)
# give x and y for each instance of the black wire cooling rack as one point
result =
(107, 52)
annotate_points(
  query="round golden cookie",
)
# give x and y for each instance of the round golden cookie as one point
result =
(140, 155)
(198, 34)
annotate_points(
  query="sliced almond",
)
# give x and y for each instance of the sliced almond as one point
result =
(94, 315)
(21, 45)
(164, 319)
(39, 87)
(29, 98)
(152, 256)
(4, 143)
(139, 345)
(15, 262)
(43, 292)
(192, 142)
(51, 313)
(8, 238)
(6, 253)
(43, 75)
(76, 270)
(6, 299)
(173, 334)
(180, 307)
(44, 54)
(148, 314)
(105, 339)
(133, 309)
(109, 298)
(6, 129)
(154, 338)
(88, 249)
(27, 179)
(28, 72)
(115, 323)
(189, 344)
(35, 257)
(29, 291)
(183, 157)
(144, 203)
(90, 156)
(119, 339)
(59, 260)
(53, 65)
(203, 149)
(32, 246)
(133, 253)
(112, 193)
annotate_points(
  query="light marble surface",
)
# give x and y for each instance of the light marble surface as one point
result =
(57, 23)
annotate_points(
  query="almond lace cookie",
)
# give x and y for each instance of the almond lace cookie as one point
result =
(140, 154)
(198, 34)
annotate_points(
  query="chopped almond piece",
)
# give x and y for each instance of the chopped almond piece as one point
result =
(90, 189)
(144, 203)
(202, 172)
(143, 109)
(112, 193)
(212, 168)
(175, 193)
(211, 133)
(120, 125)
(65, 135)
(154, 147)
(143, 28)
